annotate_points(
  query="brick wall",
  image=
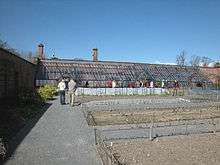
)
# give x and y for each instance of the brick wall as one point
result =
(212, 73)
(16, 74)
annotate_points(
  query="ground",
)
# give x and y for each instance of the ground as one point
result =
(60, 136)
(200, 149)
(63, 136)
(123, 118)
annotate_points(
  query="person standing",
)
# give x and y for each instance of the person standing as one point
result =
(151, 87)
(141, 84)
(61, 88)
(151, 84)
(72, 89)
(109, 84)
(162, 84)
(175, 87)
(137, 84)
(113, 84)
(87, 84)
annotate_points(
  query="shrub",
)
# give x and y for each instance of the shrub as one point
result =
(47, 92)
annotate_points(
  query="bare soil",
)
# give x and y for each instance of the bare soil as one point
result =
(164, 115)
(106, 117)
(202, 149)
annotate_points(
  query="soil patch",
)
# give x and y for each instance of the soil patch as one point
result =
(186, 150)
(102, 118)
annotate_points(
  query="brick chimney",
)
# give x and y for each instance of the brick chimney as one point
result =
(95, 54)
(41, 51)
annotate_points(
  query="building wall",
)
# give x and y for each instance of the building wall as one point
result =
(16, 74)
(98, 74)
(212, 73)
(120, 91)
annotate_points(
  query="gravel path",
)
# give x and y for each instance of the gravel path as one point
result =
(61, 136)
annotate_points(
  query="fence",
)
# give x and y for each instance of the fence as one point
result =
(104, 138)
(206, 121)
(153, 130)
(203, 117)
(105, 151)
(87, 115)
(208, 95)
(146, 111)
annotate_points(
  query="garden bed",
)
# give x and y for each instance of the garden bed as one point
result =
(102, 118)
(194, 149)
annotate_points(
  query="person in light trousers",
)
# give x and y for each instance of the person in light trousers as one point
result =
(72, 89)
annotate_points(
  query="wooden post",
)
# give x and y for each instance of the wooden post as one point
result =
(95, 131)
(109, 160)
(214, 125)
(151, 131)
(186, 128)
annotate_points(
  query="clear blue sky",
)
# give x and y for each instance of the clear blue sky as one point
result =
(122, 30)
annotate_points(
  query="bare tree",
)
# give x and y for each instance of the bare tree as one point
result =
(181, 58)
(205, 61)
(29, 56)
(3, 44)
(6, 46)
(195, 61)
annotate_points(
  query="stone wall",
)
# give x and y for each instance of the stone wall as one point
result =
(16, 74)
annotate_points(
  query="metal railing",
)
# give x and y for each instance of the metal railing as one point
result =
(208, 94)
(199, 102)
(151, 131)
(154, 130)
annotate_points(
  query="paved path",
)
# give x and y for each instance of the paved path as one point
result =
(60, 137)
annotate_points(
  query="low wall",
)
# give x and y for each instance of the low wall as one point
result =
(120, 91)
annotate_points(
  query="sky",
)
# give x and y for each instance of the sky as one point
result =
(148, 31)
